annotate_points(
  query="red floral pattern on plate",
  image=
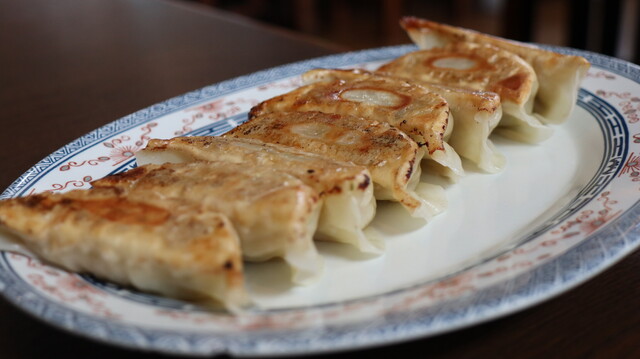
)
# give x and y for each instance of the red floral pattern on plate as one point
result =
(66, 287)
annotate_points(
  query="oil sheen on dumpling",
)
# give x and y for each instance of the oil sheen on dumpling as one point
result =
(346, 190)
(559, 75)
(275, 214)
(421, 114)
(476, 114)
(481, 68)
(388, 153)
(177, 251)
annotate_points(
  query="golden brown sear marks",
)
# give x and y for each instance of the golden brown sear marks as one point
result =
(230, 188)
(421, 114)
(475, 113)
(477, 100)
(389, 154)
(274, 213)
(346, 138)
(472, 66)
(108, 207)
(559, 74)
(445, 34)
(177, 251)
(115, 209)
(348, 203)
(319, 172)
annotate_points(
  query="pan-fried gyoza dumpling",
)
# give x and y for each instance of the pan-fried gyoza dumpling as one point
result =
(178, 251)
(476, 114)
(274, 213)
(481, 68)
(559, 75)
(346, 191)
(421, 114)
(390, 155)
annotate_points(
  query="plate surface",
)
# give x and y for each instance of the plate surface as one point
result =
(560, 213)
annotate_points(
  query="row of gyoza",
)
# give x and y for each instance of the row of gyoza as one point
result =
(311, 162)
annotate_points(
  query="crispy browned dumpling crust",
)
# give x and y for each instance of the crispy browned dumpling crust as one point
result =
(274, 213)
(537, 57)
(559, 74)
(319, 172)
(480, 101)
(389, 154)
(421, 114)
(475, 113)
(346, 190)
(486, 68)
(175, 250)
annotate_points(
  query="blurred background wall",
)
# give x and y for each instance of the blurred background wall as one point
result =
(604, 26)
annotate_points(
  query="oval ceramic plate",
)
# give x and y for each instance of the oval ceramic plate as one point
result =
(561, 212)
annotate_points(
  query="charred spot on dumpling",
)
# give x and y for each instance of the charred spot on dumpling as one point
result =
(410, 170)
(205, 141)
(365, 183)
(256, 110)
(66, 201)
(124, 211)
(278, 126)
(37, 200)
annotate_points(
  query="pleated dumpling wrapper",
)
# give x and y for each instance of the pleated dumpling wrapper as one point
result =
(389, 154)
(177, 250)
(481, 68)
(559, 75)
(348, 204)
(421, 114)
(274, 214)
(476, 114)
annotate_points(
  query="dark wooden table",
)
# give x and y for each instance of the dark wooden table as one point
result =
(67, 67)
